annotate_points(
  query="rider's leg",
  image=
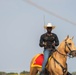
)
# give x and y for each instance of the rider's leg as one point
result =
(46, 56)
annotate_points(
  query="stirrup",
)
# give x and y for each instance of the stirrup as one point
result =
(41, 73)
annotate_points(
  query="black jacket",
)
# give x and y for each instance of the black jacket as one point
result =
(49, 40)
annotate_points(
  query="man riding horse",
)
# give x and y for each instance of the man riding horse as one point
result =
(48, 40)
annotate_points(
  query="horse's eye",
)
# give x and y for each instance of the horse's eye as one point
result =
(69, 44)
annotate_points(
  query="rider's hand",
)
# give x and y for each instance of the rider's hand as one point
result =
(53, 44)
(45, 43)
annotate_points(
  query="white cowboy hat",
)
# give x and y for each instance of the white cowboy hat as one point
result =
(49, 25)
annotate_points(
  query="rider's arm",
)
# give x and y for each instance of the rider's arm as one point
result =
(56, 40)
(42, 43)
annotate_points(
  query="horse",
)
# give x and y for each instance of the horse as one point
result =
(57, 64)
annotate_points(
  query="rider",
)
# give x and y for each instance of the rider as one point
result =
(48, 40)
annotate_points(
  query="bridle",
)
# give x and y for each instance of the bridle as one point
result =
(70, 54)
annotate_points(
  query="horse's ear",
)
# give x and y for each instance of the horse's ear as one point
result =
(72, 37)
(67, 37)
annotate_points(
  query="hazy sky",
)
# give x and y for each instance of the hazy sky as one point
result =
(21, 25)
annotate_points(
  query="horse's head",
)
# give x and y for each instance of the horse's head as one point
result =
(70, 47)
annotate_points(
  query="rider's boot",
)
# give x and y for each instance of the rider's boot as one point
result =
(43, 71)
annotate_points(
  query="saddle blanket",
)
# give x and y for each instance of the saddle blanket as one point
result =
(38, 60)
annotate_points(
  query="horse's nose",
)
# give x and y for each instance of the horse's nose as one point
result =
(75, 53)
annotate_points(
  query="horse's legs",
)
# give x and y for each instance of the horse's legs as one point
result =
(33, 71)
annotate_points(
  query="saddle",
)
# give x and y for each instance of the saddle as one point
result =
(39, 60)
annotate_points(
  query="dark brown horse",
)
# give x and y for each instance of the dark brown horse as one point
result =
(57, 64)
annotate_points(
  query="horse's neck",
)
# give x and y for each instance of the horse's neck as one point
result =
(61, 55)
(61, 48)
